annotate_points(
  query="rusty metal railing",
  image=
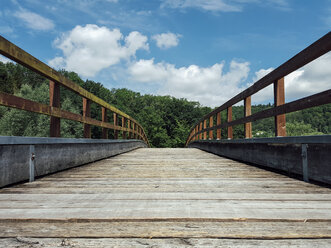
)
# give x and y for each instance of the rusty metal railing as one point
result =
(276, 77)
(129, 127)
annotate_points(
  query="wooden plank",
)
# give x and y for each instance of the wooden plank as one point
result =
(152, 241)
(166, 229)
(204, 127)
(279, 99)
(129, 194)
(200, 130)
(248, 112)
(54, 101)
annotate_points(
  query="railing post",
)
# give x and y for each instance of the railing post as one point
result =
(115, 124)
(211, 124)
(279, 99)
(196, 131)
(200, 129)
(129, 126)
(230, 129)
(87, 113)
(248, 112)
(204, 127)
(104, 119)
(218, 122)
(54, 101)
(123, 125)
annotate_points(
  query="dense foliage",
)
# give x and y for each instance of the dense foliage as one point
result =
(166, 120)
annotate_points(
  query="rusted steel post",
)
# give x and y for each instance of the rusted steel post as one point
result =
(54, 101)
(230, 129)
(218, 122)
(123, 125)
(248, 112)
(211, 124)
(279, 99)
(87, 113)
(200, 129)
(115, 124)
(204, 127)
(104, 119)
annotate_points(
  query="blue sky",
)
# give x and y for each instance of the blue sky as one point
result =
(203, 50)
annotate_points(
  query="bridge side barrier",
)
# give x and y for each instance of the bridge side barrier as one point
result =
(24, 158)
(205, 129)
(122, 122)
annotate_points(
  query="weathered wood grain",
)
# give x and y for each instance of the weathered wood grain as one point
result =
(166, 193)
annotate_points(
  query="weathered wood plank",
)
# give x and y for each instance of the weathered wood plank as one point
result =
(185, 193)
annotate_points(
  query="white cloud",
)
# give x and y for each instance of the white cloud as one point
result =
(89, 49)
(308, 80)
(208, 85)
(34, 21)
(223, 5)
(209, 5)
(3, 59)
(166, 40)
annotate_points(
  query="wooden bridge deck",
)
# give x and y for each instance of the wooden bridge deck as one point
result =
(165, 197)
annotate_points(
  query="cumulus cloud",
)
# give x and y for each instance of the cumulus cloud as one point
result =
(166, 40)
(210, 86)
(34, 21)
(89, 49)
(308, 80)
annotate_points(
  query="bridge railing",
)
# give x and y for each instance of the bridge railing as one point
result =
(205, 129)
(122, 122)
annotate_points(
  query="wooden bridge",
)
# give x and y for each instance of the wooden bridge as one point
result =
(181, 197)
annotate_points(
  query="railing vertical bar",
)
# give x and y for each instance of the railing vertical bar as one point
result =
(87, 113)
(204, 127)
(218, 122)
(115, 124)
(54, 101)
(279, 99)
(248, 112)
(211, 124)
(124, 125)
(230, 128)
(200, 129)
(104, 119)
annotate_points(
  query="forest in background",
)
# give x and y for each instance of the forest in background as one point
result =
(166, 120)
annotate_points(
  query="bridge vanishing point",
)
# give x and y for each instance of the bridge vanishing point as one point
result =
(264, 192)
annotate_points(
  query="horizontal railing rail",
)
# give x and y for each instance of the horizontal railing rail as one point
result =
(276, 77)
(129, 127)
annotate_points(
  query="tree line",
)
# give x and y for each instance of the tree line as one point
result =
(166, 120)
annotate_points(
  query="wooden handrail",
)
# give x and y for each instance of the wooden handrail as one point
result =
(18, 55)
(276, 77)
